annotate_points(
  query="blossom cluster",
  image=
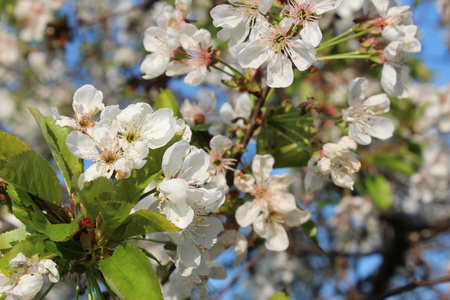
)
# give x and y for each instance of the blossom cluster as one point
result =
(26, 277)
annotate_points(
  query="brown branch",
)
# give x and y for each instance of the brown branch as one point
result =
(241, 272)
(411, 286)
(254, 124)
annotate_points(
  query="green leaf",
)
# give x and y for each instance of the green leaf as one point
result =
(32, 173)
(10, 146)
(113, 212)
(288, 143)
(380, 191)
(55, 137)
(26, 210)
(143, 222)
(130, 274)
(69, 250)
(63, 232)
(310, 229)
(167, 99)
(9, 238)
(91, 192)
(280, 296)
(152, 168)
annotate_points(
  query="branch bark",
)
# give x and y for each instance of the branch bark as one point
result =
(411, 286)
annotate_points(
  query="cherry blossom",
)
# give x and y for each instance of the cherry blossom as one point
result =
(340, 162)
(274, 45)
(27, 276)
(305, 13)
(362, 115)
(238, 18)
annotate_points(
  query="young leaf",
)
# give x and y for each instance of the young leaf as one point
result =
(113, 212)
(9, 238)
(130, 274)
(143, 222)
(26, 210)
(91, 192)
(380, 191)
(167, 99)
(68, 250)
(10, 146)
(56, 136)
(33, 174)
(280, 296)
(62, 232)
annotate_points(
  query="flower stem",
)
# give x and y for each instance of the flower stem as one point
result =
(349, 55)
(77, 290)
(111, 293)
(338, 41)
(229, 66)
(222, 70)
(47, 291)
(338, 37)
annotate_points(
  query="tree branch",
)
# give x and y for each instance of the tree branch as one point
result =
(411, 286)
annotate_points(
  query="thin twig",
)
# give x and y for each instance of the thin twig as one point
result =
(411, 286)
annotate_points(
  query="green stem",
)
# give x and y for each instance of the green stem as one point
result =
(222, 70)
(102, 279)
(93, 281)
(77, 290)
(329, 44)
(229, 66)
(337, 37)
(298, 135)
(47, 291)
(147, 194)
(344, 56)
(148, 240)
(269, 95)
(289, 138)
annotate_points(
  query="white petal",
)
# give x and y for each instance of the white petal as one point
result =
(279, 72)
(154, 65)
(247, 213)
(220, 143)
(82, 146)
(326, 5)
(87, 100)
(356, 91)
(29, 285)
(302, 54)
(253, 55)
(262, 165)
(311, 33)
(382, 127)
(173, 158)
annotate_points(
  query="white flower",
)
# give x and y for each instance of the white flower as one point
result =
(269, 192)
(139, 123)
(303, 13)
(27, 277)
(185, 168)
(198, 46)
(155, 64)
(238, 18)
(219, 145)
(87, 102)
(314, 177)
(201, 111)
(105, 151)
(340, 162)
(274, 45)
(270, 227)
(362, 115)
(391, 74)
(392, 17)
